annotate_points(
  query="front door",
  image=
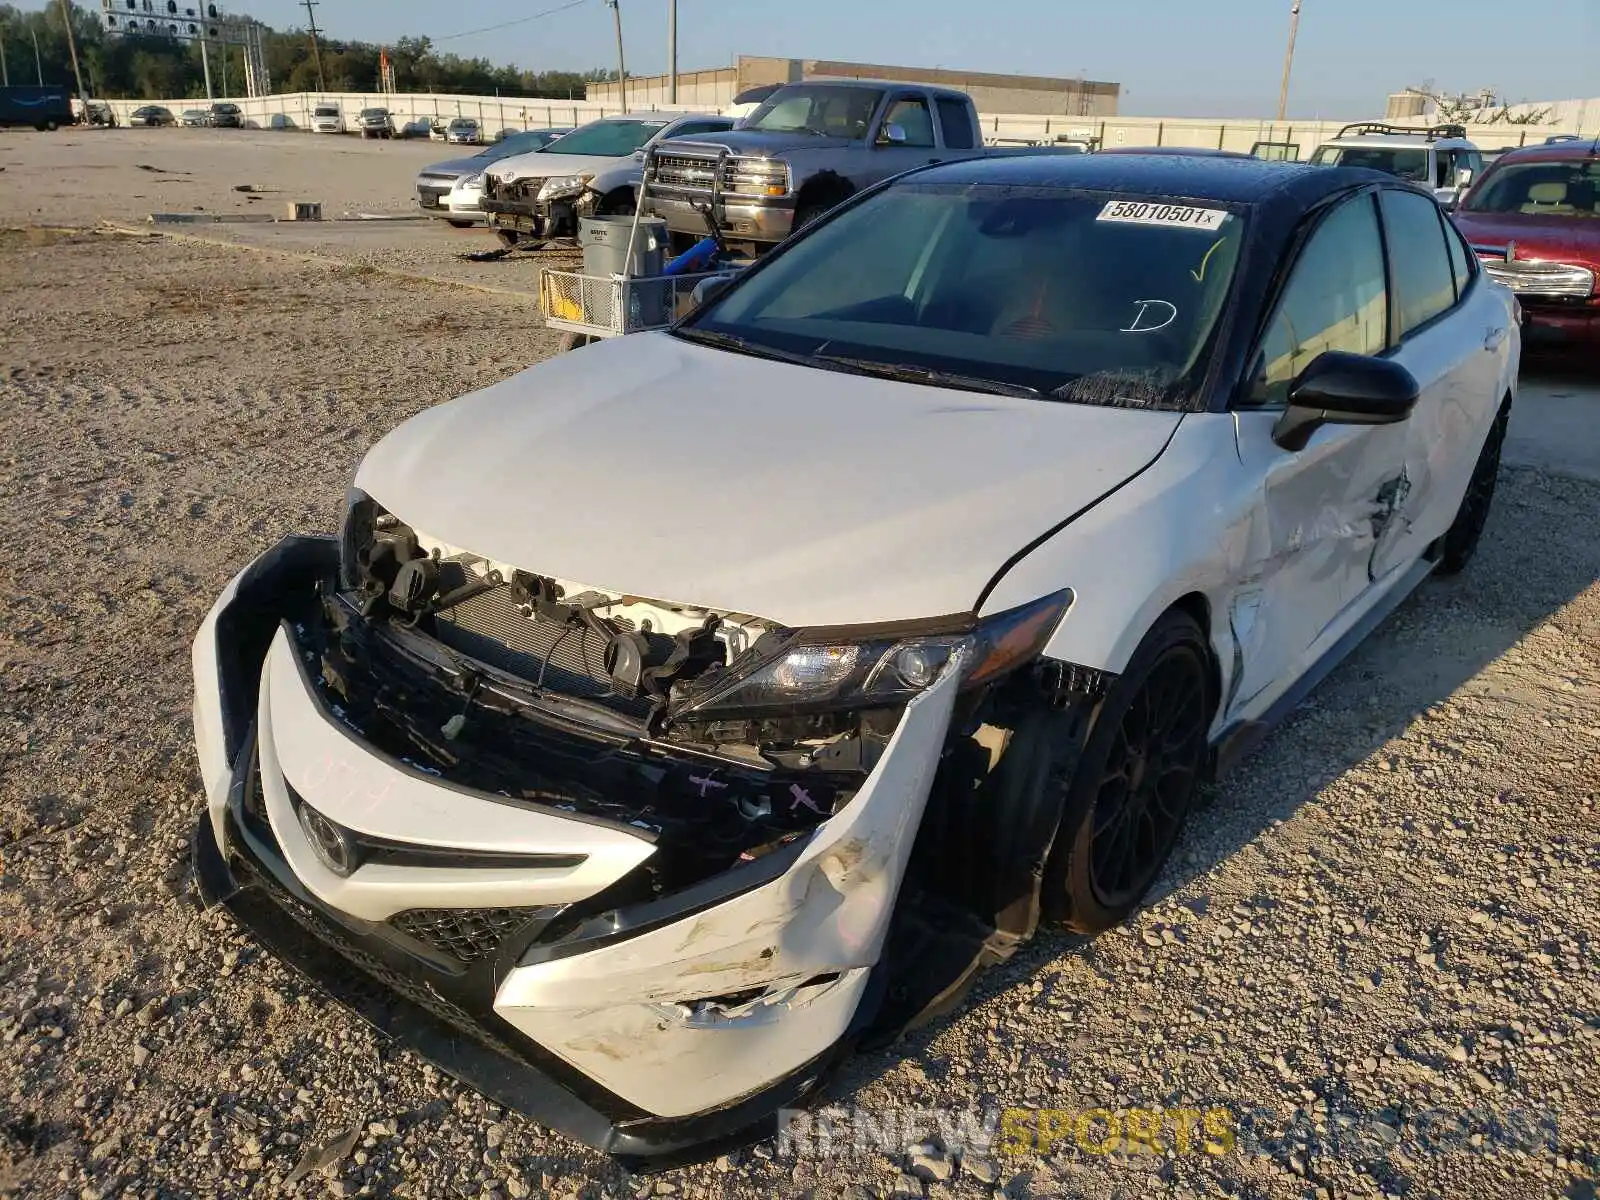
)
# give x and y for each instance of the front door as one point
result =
(1322, 511)
(904, 139)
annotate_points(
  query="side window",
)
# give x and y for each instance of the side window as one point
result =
(1444, 169)
(692, 127)
(1423, 278)
(956, 121)
(1460, 258)
(912, 115)
(1336, 299)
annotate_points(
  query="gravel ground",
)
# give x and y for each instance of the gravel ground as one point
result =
(1391, 910)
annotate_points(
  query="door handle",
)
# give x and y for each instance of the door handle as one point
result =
(1494, 337)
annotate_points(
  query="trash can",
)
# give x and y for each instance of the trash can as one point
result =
(605, 246)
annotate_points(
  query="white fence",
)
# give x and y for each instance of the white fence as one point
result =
(493, 113)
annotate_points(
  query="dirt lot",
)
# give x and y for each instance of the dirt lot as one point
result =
(1387, 918)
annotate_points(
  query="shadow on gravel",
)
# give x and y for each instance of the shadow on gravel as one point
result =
(1538, 554)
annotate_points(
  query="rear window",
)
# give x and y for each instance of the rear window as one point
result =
(956, 121)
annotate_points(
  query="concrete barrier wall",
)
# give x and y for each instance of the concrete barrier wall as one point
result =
(293, 111)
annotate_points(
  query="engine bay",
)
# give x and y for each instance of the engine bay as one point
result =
(549, 692)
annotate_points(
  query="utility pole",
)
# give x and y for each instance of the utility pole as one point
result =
(672, 51)
(1288, 61)
(72, 47)
(38, 67)
(205, 65)
(622, 67)
(316, 47)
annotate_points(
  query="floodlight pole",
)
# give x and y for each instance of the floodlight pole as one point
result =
(622, 67)
(1288, 61)
(672, 51)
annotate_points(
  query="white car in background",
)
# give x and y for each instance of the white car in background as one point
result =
(543, 194)
(1440, 158)
(676, 713)
(326, 118)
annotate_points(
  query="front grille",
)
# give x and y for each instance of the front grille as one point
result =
(685, 171)
(466, 934)
(570, 659)
(431, 197)
(1527, 277)
(740, 176)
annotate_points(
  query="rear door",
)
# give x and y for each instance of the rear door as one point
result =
(1321, 510)
(1451, 334)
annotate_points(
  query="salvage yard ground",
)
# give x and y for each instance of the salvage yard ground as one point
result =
(1394, 908)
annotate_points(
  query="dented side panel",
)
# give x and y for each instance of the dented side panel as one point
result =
(625, 1015)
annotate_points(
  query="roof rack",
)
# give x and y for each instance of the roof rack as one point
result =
(1431, 132)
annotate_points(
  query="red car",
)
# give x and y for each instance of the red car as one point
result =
(1534, 221)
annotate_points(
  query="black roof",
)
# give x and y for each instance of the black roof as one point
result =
(1254, 182)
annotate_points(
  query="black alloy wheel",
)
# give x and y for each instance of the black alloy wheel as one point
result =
(1135, 781)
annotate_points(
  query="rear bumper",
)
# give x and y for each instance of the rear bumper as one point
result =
(606, 1036)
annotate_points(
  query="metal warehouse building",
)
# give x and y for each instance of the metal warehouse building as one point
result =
(1023, 94)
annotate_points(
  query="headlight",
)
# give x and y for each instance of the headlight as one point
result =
(471, 181)
(758, 177)
(563, 185)
(819, 670)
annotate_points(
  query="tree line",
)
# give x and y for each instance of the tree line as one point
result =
(148, 67)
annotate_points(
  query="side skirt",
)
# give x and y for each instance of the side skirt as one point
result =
(1236, 742)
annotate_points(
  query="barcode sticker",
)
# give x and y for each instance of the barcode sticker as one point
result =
(1177, 216)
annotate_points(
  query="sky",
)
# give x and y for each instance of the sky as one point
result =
(1173, 57)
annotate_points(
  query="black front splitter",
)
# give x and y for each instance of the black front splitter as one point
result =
(641, 1143)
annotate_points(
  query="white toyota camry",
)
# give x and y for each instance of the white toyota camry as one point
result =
(675, 714)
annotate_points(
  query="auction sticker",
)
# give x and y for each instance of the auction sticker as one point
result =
(1177, 216)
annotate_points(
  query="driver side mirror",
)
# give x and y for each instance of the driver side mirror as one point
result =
(1464, 178)
(892, 135)
(1345, 389)
(708, 290)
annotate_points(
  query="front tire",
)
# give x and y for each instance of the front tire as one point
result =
(458, 224)
(1461, 539)
(1135, 782)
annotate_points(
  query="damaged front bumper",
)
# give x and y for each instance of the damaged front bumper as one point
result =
(654, 1031)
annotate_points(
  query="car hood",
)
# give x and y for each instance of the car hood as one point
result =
(756, 143)
(536, 164)
(1558, 239)
(469, 165)
(654, 467)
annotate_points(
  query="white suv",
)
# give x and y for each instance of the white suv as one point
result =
(1439, 158)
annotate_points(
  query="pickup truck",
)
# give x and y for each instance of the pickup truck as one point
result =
(807, 148)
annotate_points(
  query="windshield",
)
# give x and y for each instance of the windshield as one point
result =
(607, 139)
(1554, 189)
(516, 143)
(843, 112)
(325, 110)
(1406, 162)
(374, 112)
(1065, 294)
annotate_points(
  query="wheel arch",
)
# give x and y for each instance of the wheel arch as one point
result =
(820, 187)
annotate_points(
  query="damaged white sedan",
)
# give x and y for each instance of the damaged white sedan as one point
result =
(674, 715)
